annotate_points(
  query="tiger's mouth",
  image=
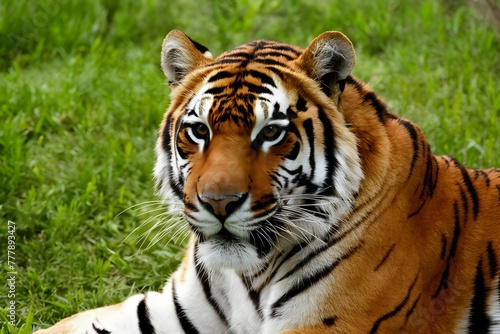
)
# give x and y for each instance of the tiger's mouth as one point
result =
(227, 250)
(223, 236)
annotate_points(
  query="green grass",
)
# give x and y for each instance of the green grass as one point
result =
(82, 94)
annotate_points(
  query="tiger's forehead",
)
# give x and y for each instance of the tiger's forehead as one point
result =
(246, 87)
(245, 98)
(261, 51)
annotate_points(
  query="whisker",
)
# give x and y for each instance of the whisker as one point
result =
(147, 221)
(162, 234)
(302, 231)
(300, 212)
(306, 235)
(171, 223)
(146, 204)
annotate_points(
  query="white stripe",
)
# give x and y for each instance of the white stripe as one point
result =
(494, 307)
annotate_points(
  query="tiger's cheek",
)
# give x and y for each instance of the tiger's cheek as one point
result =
(273, 164)
(186, 148)
(196, 162)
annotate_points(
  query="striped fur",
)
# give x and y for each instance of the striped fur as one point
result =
(313, 208)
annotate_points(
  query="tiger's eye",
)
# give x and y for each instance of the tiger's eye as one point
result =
(200, 130)
(271, 132)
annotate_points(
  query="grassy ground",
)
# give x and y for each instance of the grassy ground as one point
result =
(81, 96)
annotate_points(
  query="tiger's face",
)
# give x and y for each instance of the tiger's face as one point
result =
(253, 149)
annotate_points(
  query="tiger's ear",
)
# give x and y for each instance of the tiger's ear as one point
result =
(329, 60)
(180, 55)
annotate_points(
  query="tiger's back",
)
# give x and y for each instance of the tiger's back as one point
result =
(433, 228)
(313, 208)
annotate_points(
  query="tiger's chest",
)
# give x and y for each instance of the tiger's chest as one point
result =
(275, 308)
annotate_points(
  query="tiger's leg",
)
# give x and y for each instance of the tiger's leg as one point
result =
(151, 312)
(186, 305)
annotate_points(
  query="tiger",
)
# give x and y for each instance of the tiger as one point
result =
(312, 208)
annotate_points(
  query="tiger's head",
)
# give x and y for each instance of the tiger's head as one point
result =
(254, 148)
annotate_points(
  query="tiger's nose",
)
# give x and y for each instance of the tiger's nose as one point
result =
(222, 205)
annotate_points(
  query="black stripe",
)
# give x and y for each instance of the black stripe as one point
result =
(276, 70)
(190, 206)
(215, 90)
(479, 321)
(413, 306)
(431, 175)
(294, 251)
(301, 104)
(144, 322)
(308, 128)
(294, 152)
(465, 205)
(422, 204)
(265, 53)
(478, 172)
(264, 236)
(443, 283)
(368, 96)
(305, 260)
(492, 260)
(434, 181)
(225, 61)
(239, 54)
(264, 202)
(470, 188)
(396, 310)
(277, 114)
(376, 103)
(254, 295)
(186, 324)
(202, 275)
(444, 242)
(386, 256)
(309, 281)
(286, 48)
(180, 151)
(221, 75)
(410, 312)
(276, 179)
(257, 89)
(456, 232)
(296, 171)
(100, 331)
(292, 128)
(329, 147)
(429, 182)
(414, 138)
(269, 61)
(255, 298)
(290, 113)
(167, 134)
(264, 78)
(357, 85)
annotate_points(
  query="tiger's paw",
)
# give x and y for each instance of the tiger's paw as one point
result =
(82, 322)
(119, 318)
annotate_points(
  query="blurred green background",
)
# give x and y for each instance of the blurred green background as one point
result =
(82, 95)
